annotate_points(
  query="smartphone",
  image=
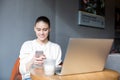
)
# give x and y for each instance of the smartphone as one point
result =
(38, 54)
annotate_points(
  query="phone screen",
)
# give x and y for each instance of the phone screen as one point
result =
(38, 53)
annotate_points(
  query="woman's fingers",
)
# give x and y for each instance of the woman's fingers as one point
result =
(39, 60)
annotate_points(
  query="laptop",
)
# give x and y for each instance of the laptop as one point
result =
(85, 55)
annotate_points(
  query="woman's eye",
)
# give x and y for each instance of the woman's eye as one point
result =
(45, 29)
(38, 29)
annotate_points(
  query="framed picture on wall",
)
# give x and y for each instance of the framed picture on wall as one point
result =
(92, 13)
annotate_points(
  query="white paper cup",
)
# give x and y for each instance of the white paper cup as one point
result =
(49, 67)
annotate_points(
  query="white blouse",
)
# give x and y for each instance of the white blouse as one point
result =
(51, 50)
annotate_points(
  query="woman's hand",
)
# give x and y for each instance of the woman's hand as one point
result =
(40, 59)
(35, 60)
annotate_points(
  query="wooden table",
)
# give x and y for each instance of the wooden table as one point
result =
(106, 74)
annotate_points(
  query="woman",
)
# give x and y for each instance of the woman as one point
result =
(28, 49)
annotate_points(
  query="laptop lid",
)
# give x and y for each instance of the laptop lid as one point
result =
(86, 55)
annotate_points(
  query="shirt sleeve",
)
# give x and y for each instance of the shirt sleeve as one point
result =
(25, 57)
(59, 55)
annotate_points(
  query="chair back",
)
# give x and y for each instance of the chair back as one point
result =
(15, 75)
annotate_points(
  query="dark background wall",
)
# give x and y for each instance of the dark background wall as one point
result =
(67, 23)
(17, 19)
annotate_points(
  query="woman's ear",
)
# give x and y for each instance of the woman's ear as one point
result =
(49, 29)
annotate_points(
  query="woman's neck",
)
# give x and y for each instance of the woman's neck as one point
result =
(42, 42)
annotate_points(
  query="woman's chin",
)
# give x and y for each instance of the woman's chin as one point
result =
(41, 39)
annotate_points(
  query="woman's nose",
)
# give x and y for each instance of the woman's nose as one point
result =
(41, 32)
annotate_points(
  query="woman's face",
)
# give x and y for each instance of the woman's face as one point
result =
(42, 30)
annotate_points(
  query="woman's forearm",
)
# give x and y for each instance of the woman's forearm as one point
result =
(28, 65)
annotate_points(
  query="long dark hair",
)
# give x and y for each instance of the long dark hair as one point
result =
(44, 19)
